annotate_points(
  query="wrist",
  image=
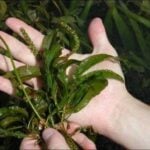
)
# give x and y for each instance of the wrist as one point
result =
(108, 116)
(128, 119)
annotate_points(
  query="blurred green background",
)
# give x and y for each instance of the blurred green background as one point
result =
(127, 24)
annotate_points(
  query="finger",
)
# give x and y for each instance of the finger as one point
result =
(83, 141)
(101, 44)
(54, 140)
(16, 24)
(6, 86)
(6, 64)
(72, 127)
(36, 83)
(19, 51)
(98, 37)
(29, 144)
(79, 138)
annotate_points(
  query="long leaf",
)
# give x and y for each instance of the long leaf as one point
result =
(136, 17)
(86, 9)
(94, 88)
(10, 120)
(91, 61)
(140, 39)
(48, 57)
(123, 30)
(3, 8)
(6, 133)
(48, 39)
(13, 111)
(99, 74)
(25, 73)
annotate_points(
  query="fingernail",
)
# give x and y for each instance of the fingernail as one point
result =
(47, 133)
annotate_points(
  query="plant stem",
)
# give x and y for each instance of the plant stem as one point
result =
(19, 80)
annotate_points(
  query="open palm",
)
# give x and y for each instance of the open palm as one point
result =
(101, 106)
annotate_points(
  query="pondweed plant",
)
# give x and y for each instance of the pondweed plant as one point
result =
(62, 93)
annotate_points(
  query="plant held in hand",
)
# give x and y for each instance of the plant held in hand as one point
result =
(62, 93)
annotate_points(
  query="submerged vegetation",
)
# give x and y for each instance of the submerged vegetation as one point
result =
(63, 94)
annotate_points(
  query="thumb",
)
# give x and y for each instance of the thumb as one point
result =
(29, 143)
(53, 139)
(98, 37)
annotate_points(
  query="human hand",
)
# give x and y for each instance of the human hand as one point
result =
(23, 56)
(54, 140)
(98, 113)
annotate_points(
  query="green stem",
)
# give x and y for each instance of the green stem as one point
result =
(19, 80)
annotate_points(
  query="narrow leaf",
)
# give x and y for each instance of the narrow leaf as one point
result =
(94, 88)
(6, 133)
(24, 72)
(9, 121)
(3, 8)
(91, 61)
(140, 39)
(136, 17)
(99, 74)
(49, 56)
(13, 111)
(48, 39)
(123, 30)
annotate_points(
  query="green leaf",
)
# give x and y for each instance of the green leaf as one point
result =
(84, 86)
(99, 74)
(62, 77)
(91, 61)
(123, 30)
(77, 95)
(94, 88)
(140, 39)
(136, 17)
(3, 8)
(145, 5)
(49, 56)
(109, 24)
(86, 9)
(24, 72)
(7, 133)
(13, 111)
(48, 39)
(10, 120)
(64, 62)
